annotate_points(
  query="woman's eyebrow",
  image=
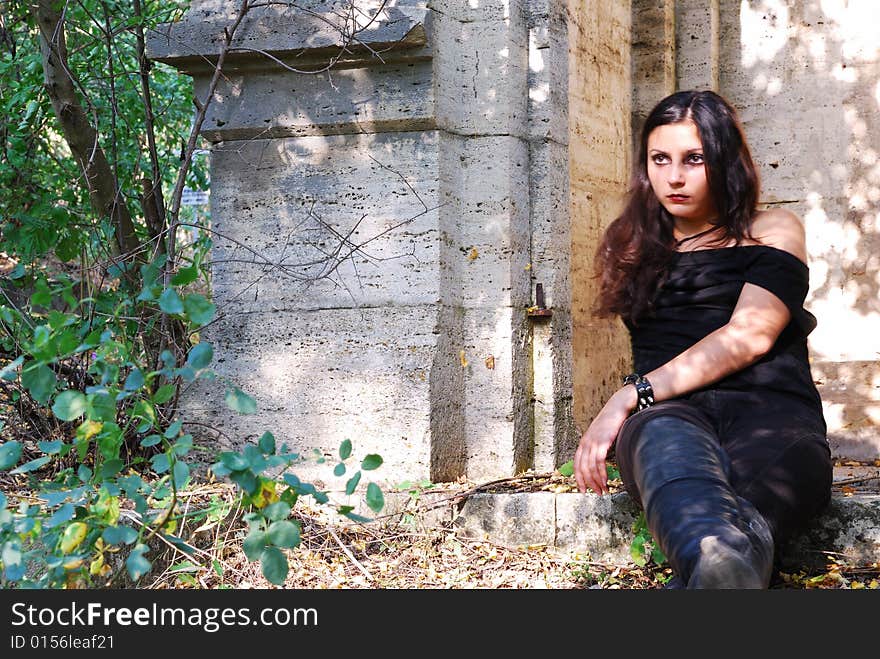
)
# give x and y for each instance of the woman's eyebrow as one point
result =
(695, 149)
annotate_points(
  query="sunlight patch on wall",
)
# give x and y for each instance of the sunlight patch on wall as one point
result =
(844, 333)
(536, 59)
(857, 27)
(764, 30)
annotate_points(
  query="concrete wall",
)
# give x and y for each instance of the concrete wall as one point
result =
(599, 163)
(445, 159)
(805, 77)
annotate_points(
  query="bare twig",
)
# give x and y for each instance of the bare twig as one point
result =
(350, 556)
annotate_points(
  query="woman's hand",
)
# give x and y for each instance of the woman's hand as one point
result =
(589, 459)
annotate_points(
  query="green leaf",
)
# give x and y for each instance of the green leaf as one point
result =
(109, 441)
(183, 445)
(254, 544)
(267, 442)
(170, 302)
(50, 448)
(233, 461)
(33, 465)
(276, 511)
(200, 356)
(40, 382)
(84, 473)
(274, 565)
(567, 469)
(160, 463)
(657, 555)
(245, 480)
(284, 534)
(352, 483)
(70, 405)
(181, 474)
(101, 407)
(63, 514)
(67, 248)
(370, 462)
(10, 453)
(360, 519)
(135, 380)
(111, 468)
(42, 296)
(375, 499)
(185, 276)
(345, 449)
(339, 469)
(240, 402)
(151, 440)
(637, 552)
(174, 429)
(136, 563)
(10, 371)
(144, 409)
(199, 309)
(163, 394)
(114, 535)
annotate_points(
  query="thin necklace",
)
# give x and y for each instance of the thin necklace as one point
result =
(679, 243)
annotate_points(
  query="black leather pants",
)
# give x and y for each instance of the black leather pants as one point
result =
(712, 537)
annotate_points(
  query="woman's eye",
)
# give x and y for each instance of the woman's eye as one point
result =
(696, 158)
(659, 159)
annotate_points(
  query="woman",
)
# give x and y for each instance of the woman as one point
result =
(720, 434)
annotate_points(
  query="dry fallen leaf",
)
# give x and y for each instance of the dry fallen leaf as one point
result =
(490, 362)
(473, 254)
(462, 359)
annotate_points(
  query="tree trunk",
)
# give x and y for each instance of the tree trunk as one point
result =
(81, 136)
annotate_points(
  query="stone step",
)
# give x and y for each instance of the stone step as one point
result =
(601, 527)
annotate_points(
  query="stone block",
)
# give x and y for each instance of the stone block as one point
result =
(597, 526)
(321, 222)
(512, 520)
(323, 376)
(397, 96)
(848, 532)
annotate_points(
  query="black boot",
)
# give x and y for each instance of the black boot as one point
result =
(712, 537)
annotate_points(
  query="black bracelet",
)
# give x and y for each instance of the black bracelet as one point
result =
(644, 390)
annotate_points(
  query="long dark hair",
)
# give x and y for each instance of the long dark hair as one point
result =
(638, 245)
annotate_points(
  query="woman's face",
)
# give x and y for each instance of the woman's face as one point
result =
(677, 172)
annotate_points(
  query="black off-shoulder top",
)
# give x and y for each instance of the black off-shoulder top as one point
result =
(698, 297)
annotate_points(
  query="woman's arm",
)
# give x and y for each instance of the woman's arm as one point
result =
(755, 324)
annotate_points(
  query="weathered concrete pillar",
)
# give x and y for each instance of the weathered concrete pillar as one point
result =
(600, 111)
(380, 229)
(550, 222)
(653, 58)
(697, 37)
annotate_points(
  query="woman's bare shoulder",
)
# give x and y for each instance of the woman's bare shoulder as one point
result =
(781, 229)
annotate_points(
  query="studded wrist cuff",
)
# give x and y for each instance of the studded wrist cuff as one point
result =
(644, 390)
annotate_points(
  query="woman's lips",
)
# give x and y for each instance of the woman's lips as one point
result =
(677, 198)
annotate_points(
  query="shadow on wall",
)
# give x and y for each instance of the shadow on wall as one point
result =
(805, 77)
(348, 225)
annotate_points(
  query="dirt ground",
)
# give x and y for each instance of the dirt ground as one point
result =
(403, 551)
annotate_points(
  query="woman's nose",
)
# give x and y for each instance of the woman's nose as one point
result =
(675, 175)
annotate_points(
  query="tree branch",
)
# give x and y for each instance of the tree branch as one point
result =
(80, 135)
